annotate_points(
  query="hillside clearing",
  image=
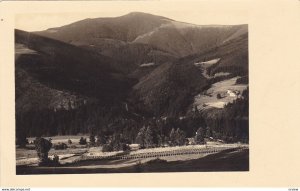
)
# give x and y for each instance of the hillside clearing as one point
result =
(228, 91)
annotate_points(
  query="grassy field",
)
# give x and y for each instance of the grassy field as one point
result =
(83, 159)
(28, 155)
(64, 139)
(228, 160)
(209, 99)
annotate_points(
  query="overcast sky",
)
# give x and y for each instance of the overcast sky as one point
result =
(201, 14)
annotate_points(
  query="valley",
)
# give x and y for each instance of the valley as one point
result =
(133, 85)
(91, 158)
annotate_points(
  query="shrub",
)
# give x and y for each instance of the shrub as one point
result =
(172, 137)
(55, 160)
(22, 141)
(101, 140)
(177, 137)
(60, 146)
(199, 138)
(138, 167)
(69, 142)
(92, 140)
(157, 160)
(82, 141)
(242, 80)
(42, 146)
(107, 148)
(125, 147)
(180, 137)
(140, 139)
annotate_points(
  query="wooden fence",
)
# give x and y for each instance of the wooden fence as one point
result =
(160, 154)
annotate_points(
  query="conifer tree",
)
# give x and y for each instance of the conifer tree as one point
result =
(199, 137)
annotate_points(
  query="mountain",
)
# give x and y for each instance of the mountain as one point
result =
(60, 88)
(189, 39)
(125, 28)
(171, 87)
(115, 75)
(165, 36)
(131, 58)
(232, 55)
(64, 67)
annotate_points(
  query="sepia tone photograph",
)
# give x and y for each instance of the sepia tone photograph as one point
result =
(131, 93)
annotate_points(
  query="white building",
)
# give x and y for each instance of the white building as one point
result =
(231, 93)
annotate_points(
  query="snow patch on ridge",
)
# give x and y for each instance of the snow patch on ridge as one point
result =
(147, 64)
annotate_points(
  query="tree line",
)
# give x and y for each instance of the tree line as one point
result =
(230, 124)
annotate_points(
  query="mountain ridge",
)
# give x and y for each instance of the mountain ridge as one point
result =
(115, 71)
(146, 29)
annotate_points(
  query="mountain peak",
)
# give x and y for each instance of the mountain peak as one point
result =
(137, 13)
(142, 14)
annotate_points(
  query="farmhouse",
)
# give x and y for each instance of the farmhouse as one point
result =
(231, 93)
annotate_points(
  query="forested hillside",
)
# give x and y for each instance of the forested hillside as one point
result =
(125, 77)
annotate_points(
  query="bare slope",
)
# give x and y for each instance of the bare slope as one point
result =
(177, 38)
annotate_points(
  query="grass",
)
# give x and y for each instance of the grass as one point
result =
(75, 147)
(210, 98)
(228, 160)
(223, 161)
(64, 138)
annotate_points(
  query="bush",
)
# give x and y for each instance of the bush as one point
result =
(125, 147)
(52, 163)
(138, 167)
(22, 141)
(243, 80)
(177, 137)
(156, 161)
(107, 148)
(101, 140)
(199, 138)
(69, 142)
(55, 160)
(92, 140)
(82, 141)
(73, 147)
(42, 147)
(60, 146)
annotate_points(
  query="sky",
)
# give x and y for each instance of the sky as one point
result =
(37, 18)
